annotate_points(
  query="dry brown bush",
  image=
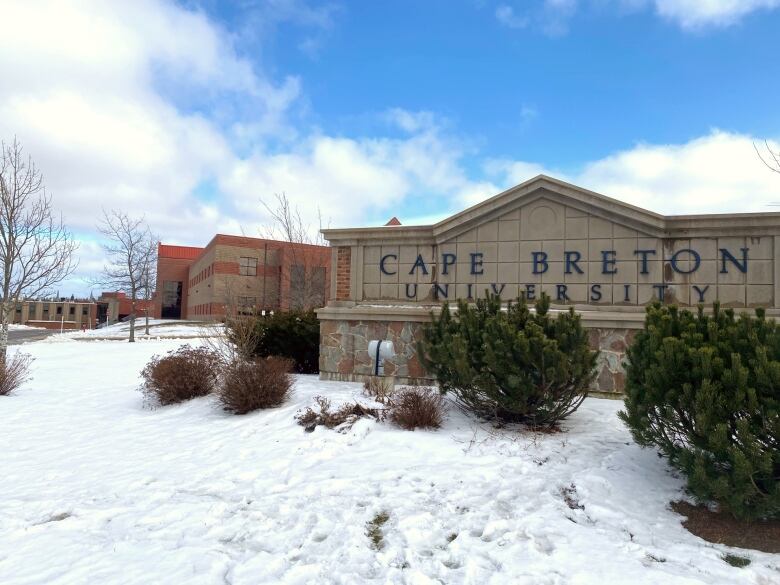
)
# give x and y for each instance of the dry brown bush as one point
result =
(253, 384)
(417, 407)
(180, 375)
(377, 388)
(15, 373)
(343, 417)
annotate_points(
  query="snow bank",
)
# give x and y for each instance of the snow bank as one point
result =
(98, 489)
(158, 328)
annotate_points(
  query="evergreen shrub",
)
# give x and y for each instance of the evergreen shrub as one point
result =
(705, 390)
(512, 364)
(290, 334)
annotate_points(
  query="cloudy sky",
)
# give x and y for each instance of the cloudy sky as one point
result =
(192, 112)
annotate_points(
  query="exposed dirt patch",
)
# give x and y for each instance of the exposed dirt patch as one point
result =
(763, 535)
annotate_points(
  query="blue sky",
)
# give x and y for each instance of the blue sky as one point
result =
(192, 112)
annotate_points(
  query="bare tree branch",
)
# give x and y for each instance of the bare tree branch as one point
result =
(304, 275)
(36, 249)
(132, 255)
(772, 161)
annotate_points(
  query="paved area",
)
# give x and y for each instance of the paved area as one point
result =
(22, 335)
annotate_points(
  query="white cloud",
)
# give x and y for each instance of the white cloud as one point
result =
(692, 14)
(554, 15)
(351, 179)
(82, 91)
(506, 15)
(716, 173)
(91, 90)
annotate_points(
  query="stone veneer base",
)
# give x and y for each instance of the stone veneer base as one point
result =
(344, 344)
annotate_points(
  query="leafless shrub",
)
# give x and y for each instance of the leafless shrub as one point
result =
(15, 372)
(180, 375)
(254, 384)
(417, 407)
(378, 389)
(342, 418)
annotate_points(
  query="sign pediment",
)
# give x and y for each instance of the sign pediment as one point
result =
(578, 247)
(544, 203)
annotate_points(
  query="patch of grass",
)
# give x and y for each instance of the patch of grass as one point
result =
(374, 529)
(736, 560)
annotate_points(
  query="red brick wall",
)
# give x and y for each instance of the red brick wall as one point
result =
(343, 267)
(175, 263)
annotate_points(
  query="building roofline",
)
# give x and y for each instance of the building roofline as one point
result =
(567, 194)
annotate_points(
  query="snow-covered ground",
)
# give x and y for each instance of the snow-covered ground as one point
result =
(20, 327)
(158, 328)
(97, 489)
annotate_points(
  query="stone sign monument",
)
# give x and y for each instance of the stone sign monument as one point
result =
(605, 258)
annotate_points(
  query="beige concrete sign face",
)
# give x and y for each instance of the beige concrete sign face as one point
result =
(576, 246)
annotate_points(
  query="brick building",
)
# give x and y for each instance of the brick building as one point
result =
(115, 306)
(240, 272)
(62, 314)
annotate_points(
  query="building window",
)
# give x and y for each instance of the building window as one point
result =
(307, 287)
(246, 305)
(297, 287)
(72, 311)
(59, 309)
(318, 284)
(84, 311)
(247, 266)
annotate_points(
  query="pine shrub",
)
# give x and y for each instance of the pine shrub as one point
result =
(513, 364)
(249, 385)
(705, 390)
(291, 334)
(180, 375)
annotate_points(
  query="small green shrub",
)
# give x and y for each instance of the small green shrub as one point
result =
(374, 530)
(511, 364)
(705, 389)
(249, 385)
(736, 561)
(180, 375)
(290, 334)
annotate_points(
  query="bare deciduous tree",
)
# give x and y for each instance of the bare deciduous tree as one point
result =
(128, 245)
(36, 249)
(238, 336)
(149, 276)
(304, 274)
(771, 159)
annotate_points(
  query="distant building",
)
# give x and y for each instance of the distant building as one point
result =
(62, 314)
(115, 306)
(242, 274)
